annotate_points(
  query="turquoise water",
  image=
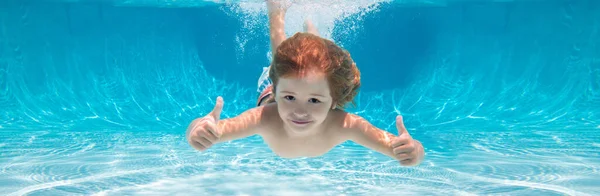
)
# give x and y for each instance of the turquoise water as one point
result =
(95, 98)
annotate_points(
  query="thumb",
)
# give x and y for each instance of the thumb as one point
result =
(400, 125)
(216, 112)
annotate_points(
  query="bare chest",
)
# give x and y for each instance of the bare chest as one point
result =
(288, 147)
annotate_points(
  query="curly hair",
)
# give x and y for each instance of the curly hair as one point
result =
(305, 51)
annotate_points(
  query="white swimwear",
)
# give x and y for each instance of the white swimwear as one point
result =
(265, 87)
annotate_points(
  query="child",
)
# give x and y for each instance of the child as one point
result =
(301, 113)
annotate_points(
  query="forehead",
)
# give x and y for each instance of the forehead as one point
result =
(307, 83)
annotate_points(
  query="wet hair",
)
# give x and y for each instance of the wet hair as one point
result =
(305, 52)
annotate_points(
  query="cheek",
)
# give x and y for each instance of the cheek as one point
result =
(321, 110)
(284, 107)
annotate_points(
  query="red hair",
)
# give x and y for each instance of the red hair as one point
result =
(305, 51)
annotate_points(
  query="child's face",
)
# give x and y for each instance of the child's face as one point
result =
(303, 102)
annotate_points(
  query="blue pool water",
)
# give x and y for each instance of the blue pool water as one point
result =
(95, 98)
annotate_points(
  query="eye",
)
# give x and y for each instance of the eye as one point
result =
(289, 98)
(313, 100)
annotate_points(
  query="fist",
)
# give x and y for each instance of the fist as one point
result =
(203, 132)
(406, 150)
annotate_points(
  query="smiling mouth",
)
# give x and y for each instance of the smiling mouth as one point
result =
(300, 122)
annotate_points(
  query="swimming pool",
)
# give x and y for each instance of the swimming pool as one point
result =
(95, 98)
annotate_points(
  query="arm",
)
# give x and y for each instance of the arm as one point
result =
(244, 125)
(276, 23)
(204, 132)
(403, 148)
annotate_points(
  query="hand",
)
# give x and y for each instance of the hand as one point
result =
(203, 132)
(407, 150)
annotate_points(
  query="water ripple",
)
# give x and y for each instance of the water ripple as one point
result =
(109, 162)
(88, 113)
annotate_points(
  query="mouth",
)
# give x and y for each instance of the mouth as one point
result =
(301, 122)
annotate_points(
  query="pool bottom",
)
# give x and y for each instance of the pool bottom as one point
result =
(460, 162)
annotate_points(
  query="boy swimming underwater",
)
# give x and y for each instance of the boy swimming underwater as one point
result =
(301, 113)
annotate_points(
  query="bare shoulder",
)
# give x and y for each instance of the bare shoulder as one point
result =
(270, 119)
(342, 124)
(344, 121)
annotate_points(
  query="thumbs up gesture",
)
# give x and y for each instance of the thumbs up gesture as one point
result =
(407, 150)
(203, 132)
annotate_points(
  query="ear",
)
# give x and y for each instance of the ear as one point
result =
(333, 105)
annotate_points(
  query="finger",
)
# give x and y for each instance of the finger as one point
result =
(210, 136)
(399, 141)
(190, 132)
(204, 142)
(403, 149)
(407, 162)
(216, 112)
(213, 130)
(197, 145)
(400, 125)
(403, 157)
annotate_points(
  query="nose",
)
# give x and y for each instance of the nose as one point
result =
(300, 113)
